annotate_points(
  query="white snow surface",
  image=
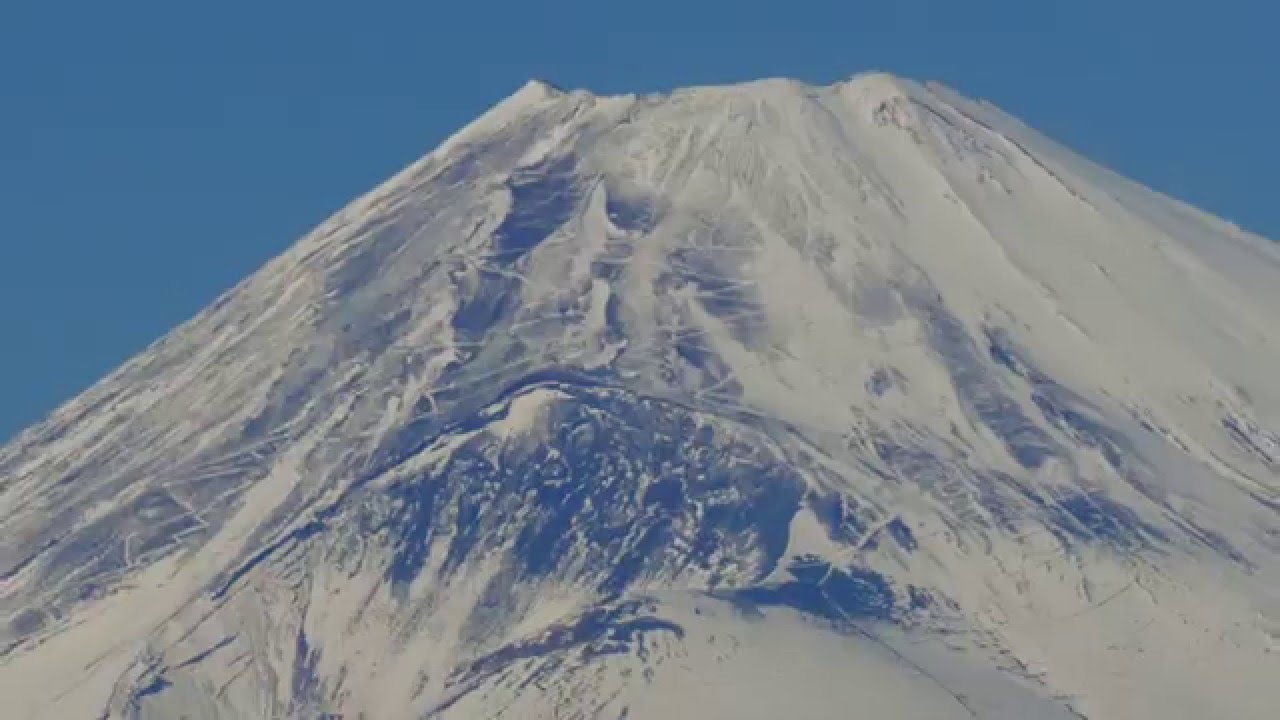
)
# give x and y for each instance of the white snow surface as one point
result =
(757, 401)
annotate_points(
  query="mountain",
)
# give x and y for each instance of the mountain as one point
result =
(739, 402)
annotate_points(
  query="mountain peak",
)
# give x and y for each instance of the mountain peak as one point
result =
(874, 79)
(868, 82)
(537, 89)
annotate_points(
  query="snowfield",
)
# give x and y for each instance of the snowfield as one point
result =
(757, 401)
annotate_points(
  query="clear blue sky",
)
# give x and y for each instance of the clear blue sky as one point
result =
(154, 153)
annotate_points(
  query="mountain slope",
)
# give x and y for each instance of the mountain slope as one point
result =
(751, 400)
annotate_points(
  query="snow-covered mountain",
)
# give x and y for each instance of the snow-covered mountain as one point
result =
(740, 402)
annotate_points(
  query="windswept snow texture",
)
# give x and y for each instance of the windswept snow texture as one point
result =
(739, 402)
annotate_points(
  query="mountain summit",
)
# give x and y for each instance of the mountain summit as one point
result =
(756, 401)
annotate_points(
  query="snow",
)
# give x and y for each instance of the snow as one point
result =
(524, 412)
(765, 399)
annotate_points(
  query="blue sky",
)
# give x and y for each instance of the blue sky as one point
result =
(154, 153)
